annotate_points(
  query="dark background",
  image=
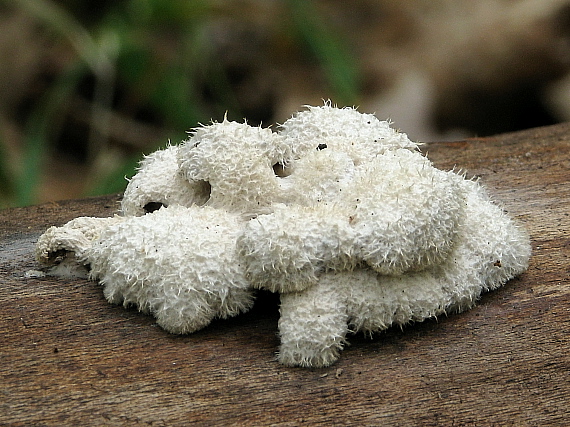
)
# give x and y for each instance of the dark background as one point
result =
(87, 87)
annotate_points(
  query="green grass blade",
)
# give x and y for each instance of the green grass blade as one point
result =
(340, 67)
(37, 133)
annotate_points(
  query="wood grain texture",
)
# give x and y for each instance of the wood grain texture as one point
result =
(69, 358)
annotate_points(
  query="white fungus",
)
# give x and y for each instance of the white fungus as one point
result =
(336, 211)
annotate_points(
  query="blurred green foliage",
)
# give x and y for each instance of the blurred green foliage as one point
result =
(150, 58)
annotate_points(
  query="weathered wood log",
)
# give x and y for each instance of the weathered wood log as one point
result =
(67, 357)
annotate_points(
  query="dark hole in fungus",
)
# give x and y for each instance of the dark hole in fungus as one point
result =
(203, 192)
(152, 206)
(280, 170)
(321, 146)
(57, 256)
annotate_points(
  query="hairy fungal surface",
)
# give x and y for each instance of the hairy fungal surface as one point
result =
(336, 211)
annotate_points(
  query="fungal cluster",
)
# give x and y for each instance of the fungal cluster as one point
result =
(336, 211)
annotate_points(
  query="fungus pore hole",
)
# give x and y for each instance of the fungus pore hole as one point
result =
(152, 206)
(203, 192)
(280, 170)
(57, 256)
